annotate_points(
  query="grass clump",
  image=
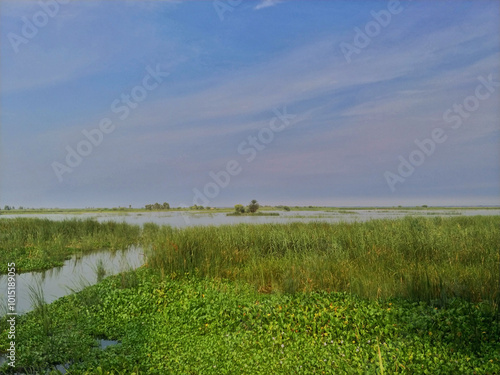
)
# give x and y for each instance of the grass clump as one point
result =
(37, 244)
(421, 259)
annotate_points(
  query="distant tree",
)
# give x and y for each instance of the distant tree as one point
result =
(7, 208)
(157, 206)
(166, 206)
(149, 207)
(286, 208)
(239, 208)
(253, 206)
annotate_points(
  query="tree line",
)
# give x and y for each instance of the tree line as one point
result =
(157, 206)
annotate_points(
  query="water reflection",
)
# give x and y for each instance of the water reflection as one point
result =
(76, 273)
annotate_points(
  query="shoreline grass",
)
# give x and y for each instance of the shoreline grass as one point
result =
(420, 258)
(37, 244)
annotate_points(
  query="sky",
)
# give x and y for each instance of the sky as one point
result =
(215, 103)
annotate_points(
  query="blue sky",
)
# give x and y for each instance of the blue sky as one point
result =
(220, 102)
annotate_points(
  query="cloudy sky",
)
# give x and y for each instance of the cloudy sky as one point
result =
(111, 103)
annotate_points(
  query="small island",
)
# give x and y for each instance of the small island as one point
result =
(250, 210)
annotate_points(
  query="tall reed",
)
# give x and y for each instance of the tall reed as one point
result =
(40, 307)
(35, 244)
(418, 258)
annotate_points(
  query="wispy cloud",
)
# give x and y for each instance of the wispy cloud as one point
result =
(267, 3)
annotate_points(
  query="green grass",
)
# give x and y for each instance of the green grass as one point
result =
(422, 259)
(36, 244)
(189, 325)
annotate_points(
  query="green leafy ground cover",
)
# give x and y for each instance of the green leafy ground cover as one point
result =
(189, 325)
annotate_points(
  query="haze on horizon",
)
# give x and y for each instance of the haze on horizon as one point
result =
(332, 103)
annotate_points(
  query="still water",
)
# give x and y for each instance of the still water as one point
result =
(74, 275)
(182, 219)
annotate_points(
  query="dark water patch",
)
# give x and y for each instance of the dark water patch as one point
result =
(103, 344)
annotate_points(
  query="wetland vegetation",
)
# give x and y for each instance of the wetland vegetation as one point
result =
(418, 258)
(411, 295)
(38, 244)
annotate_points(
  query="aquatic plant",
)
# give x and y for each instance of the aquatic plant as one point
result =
(40, 308)
(423, 259)
(100, 270)
(37, 244)
(186, 324)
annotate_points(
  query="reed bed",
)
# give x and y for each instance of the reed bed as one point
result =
(419, 258)
(36, 244)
